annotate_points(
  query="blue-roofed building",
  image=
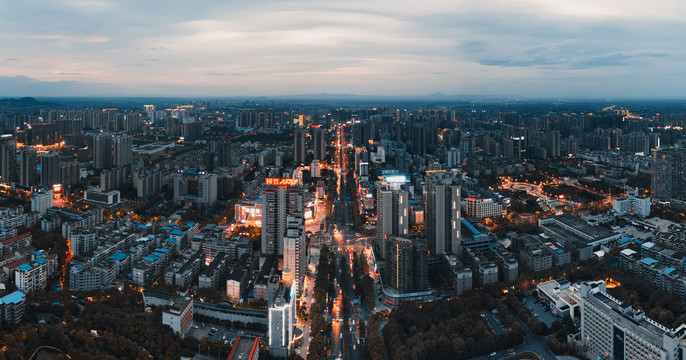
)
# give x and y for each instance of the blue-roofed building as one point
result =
(668, 270)
(470, 227)
(151, 258)
(34, 275)
(12, 308)
(649, 261)
(13, 298)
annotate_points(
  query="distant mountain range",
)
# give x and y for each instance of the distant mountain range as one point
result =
(20, 103)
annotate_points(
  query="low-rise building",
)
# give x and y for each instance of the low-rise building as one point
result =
(102, 198)
(211, 276)
(488, 274)
(535, 256)
(245, 347)
(178, 314)
(508, 267)
(482, 208)
(236, 284)
(561, 296)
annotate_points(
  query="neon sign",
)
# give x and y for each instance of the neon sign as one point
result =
(281, 181)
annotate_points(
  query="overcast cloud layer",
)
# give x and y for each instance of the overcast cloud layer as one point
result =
(535, 48)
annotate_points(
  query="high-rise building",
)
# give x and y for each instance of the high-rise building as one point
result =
(418, 138)
(224, 154)
(294, 251)
(319, 143)
(392, 210)
(281, 197)
(50, 169)
(553, 143)
(70, 173)
(8, 160)
(172, 127)
(28, 175)
(299, 146)
(102, 151)
(219, 152)
(113, 178)
(194, 187)
(41, 201)
(443, 216)
(281, 318)
(614, 330)
(132, 122)
(406, 265)
(453, 158)
(122, 148)
(147, 182)
(669, 174)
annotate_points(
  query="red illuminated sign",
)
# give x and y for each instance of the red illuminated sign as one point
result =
(281, 181)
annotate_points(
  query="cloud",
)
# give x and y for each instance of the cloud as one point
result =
(76, 39)
(388, 47)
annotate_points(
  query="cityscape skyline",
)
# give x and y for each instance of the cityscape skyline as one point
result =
(519, 49)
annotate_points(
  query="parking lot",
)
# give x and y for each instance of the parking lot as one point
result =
(212, 332)
(540, 311)
(494, 322)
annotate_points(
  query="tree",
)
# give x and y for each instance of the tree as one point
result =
(317, 348)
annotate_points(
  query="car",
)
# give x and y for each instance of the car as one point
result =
(483, 315)
(493, 353)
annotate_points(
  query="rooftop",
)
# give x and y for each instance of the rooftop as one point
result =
(119, 256)
(244, 348)
(13, 298)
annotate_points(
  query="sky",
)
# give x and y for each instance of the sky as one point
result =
(523, 48)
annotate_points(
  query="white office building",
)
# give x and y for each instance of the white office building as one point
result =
(179, 314)
(628, 204)
(294, 252)
(614, 330)
(482, 208)
(281, 319)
